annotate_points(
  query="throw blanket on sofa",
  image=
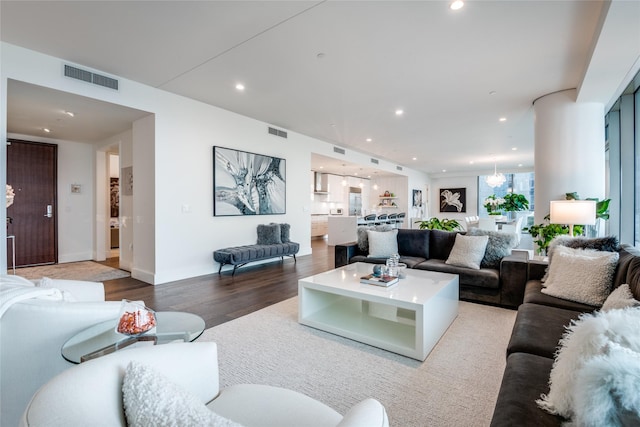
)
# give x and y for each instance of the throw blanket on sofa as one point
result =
(12, 293)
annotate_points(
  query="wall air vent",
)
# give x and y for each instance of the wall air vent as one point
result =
(277, 132)
(338, 150)
(89, 77)
(374, 161)
(399, 168)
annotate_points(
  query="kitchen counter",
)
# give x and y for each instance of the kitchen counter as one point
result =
(342, 229)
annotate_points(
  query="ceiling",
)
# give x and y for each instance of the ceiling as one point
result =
(332, 70)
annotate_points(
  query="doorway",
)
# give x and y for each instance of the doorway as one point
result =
(32, 172)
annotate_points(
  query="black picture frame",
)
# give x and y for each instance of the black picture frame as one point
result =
(417, 198)
(246, 183)
(453, 200)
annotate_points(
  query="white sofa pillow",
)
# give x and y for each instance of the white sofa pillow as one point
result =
(621, 297)
(581, 275)
(468, 251)
(585, 338)
(607, 389)
(382, 244)
(151, 399)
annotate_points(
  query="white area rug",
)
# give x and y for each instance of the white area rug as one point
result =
(83, 270)
(456, 386)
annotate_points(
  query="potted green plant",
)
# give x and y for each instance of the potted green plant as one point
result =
(543, 234)
(439, 224)
(515, 202)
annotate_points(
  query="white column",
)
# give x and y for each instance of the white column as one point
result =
(569, 149)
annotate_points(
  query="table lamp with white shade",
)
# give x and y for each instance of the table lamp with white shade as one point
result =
(572, 212)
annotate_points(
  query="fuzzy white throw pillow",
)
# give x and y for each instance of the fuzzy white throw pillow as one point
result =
(151, 399)
(607, 389)
(581, 275)
(585, 338)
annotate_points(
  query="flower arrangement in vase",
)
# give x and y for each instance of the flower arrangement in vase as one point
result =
(493, 204)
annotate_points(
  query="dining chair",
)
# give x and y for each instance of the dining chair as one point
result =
(487, 224)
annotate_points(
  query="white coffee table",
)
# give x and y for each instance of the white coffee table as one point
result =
(408, 318)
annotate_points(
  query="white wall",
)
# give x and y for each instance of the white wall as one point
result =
(468, 182)
(175, 232)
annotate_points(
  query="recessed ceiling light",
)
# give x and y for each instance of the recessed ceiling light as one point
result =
(503, 119)
(514, 148)
(368, 139)
(415, 158)
(520, 165)
(240, 87)
(70, 113)
(471, 162)
(399, 112)
(46, 130)
(456, 5)
(444, 170)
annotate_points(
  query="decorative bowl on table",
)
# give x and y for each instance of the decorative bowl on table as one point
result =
(135, 319)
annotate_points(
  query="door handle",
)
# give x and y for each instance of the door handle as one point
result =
(49, 213)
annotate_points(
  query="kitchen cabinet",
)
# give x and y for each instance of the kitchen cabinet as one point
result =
(319, 225)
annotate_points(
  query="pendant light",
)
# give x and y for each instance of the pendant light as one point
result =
(497, 179)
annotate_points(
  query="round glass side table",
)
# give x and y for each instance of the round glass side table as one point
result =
(102, 339)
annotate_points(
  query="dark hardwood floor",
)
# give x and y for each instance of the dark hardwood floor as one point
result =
(220, 298)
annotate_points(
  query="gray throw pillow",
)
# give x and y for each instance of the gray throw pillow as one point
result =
(269, 234)
(606, 244)
(498, 247)
(284, 232)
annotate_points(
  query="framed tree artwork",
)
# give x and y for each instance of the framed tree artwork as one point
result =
(248, 183)
(453, 200)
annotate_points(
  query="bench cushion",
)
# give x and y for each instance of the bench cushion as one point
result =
(248, 253)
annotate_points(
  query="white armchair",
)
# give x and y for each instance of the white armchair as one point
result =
(32, 332)
(91, 394)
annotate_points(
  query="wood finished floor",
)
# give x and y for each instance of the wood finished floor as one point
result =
(220, 298)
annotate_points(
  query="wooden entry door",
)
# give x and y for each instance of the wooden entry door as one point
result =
(32, 172)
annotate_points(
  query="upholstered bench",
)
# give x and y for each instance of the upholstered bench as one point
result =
(273, 242)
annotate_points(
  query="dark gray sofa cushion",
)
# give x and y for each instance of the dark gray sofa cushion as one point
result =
(483, 278)
(538, 329)
(525, 377)
(413, 243)
(533, 294)
(441, 243)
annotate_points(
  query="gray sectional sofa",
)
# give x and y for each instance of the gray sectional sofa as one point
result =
(502, 284)
(540, 324)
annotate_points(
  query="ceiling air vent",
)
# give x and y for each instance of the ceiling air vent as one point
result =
(338, 150)
(399, 168)
(89, 77)
(374, 161)
(277, 132)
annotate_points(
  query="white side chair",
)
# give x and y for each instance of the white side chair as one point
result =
(471, 221)
(90, 394)
(487, 224)
(32, 332)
